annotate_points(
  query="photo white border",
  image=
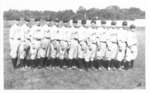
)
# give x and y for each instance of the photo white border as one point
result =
(147, 63)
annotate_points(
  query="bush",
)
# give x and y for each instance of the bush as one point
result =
(109, 13)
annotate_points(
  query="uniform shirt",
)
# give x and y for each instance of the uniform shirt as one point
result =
(17, 32)
(46, 31)
(89, 31)
(36, 32)
(93, 35)
(58, 33)
(74, 32)
(85, 33)
(112, 35)
(82, 33)
(103, 36)
(13, 31)
(131, 38)
(121, 35)
(67, 34)
(50, 31)
(25, 29)
(53, 32)
(63, 33)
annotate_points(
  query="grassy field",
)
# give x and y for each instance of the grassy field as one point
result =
(73, 79)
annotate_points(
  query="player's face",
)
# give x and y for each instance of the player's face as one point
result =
(60, 25)
(57, 24)
(125, 27)
(32, 21)
(83, 25)
(132, 29)
(93, 25)
(113, 27)
(42, 22)
(74, 24)
(21, 22)
(79, 26)
(49, 24)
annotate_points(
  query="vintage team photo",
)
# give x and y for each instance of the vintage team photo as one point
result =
(74, 44)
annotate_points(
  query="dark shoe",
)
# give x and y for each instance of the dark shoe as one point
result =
(32, 63)
(60, 63)
(45, 63)
(108, 65)
(126, 65)
(132, 63)
(90, 64)
(21, 63)
(86, 66)
(14, 63)
(70, 64)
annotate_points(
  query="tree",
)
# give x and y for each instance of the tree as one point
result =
(81, 13)
(108, 13)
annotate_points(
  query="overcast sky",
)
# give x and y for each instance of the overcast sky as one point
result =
(56, 5)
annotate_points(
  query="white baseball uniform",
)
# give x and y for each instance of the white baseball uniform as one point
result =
(73, 44)
(14, 40)
(36, 37)
(122, 38)
(103, 45)
(131, 46)
(46, 40)
(24, 44)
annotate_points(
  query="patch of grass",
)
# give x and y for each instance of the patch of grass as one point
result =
(72, 79)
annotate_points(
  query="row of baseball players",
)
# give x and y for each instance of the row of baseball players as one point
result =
(84, 41)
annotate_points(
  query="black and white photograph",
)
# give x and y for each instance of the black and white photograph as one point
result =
(74, 44)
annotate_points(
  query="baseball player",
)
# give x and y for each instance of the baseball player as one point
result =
(64, 44)
(100, 42)
(24, 45)
(113, 45)
(52, 45)
(14, 40)
(108, 57)
(61, 45)
(121, 41)
(57, 46)
(87, 46)
(67, 38)
(81, 48)
(132, 51)
(73, 45)
(44, 41)
(28, 38)
(48, 37)
(92, 45)
(36, 50)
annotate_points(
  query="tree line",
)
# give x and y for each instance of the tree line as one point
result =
(108, 13)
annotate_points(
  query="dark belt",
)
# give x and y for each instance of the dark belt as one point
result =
(121, 41)
(47, 37)
(90, 49)
(28, 38)
(57, 39)
(93, 42)
(38, 39)
(11, 38)
(102, 41)
(114, 42)
(132, 45)
(19, 38)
